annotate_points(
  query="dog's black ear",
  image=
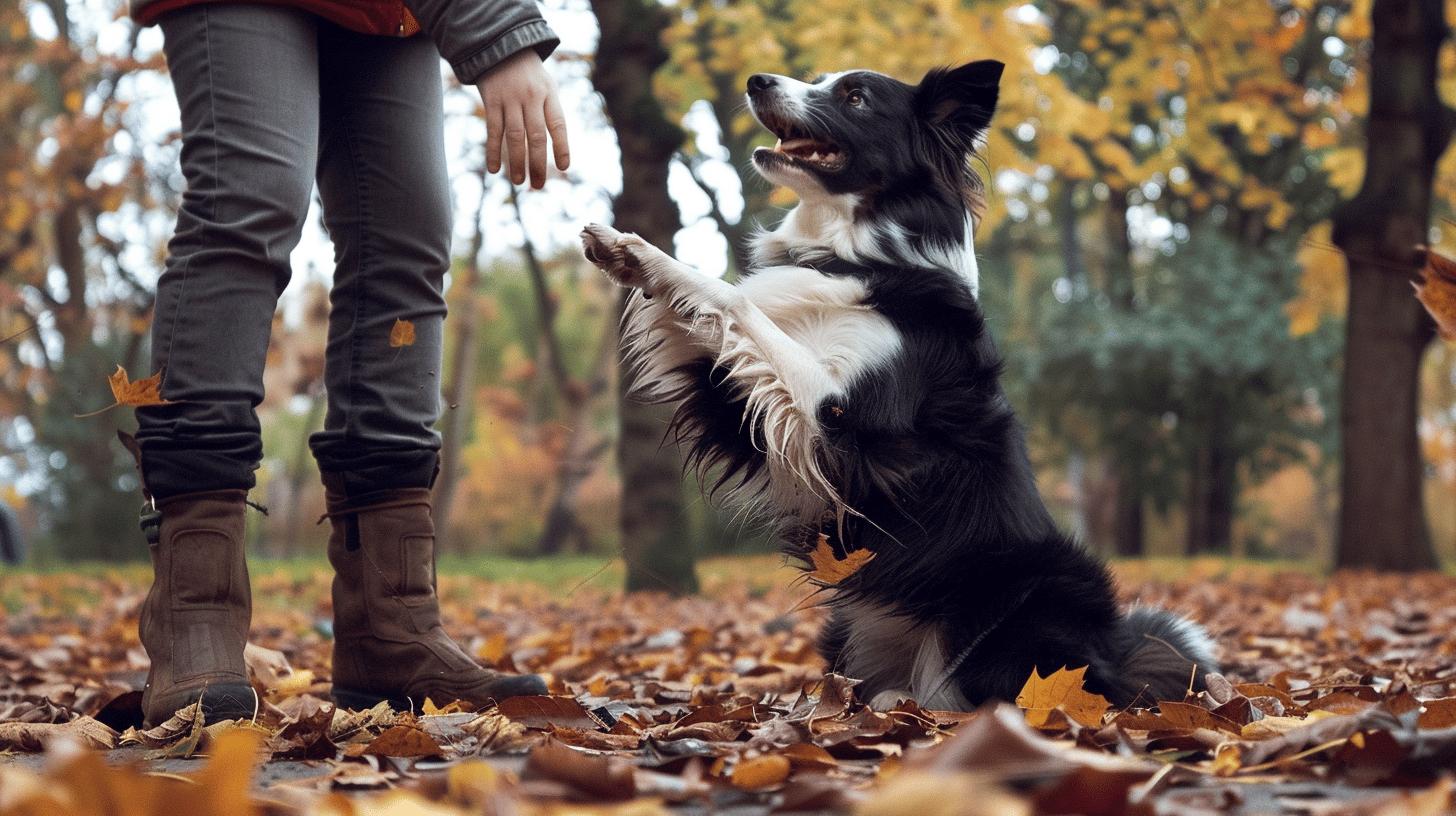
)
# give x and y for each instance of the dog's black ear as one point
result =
(961, 99)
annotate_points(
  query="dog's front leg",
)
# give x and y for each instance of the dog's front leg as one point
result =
(782, 381)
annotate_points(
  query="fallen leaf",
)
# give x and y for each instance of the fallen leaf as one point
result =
(402, 333)
(542, 712)
(1061, 691)
(1438, 713)
(404, 741)
(33, 736)
(596, 776)
(829, 569)
(761, 772)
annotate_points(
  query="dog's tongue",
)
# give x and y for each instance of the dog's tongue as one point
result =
(798, 146)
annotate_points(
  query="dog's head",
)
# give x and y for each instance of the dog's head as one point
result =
(859, 132)
(882, 168)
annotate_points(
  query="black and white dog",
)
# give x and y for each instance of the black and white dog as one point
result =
(848, 386)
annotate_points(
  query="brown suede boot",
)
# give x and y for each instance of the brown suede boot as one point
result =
(194, 622)
(388, 640)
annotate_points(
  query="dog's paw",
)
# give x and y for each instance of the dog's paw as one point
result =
(889, 698)
(620, 255)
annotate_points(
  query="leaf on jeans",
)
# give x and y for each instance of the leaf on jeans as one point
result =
(402, 334)
(830, 570)
(146, 391)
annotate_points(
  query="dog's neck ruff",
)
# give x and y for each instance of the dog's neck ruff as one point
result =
(826, 226)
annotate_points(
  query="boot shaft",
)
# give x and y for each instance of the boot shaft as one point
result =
(194, 621)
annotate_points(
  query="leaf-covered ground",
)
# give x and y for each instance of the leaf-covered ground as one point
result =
(1338, 696)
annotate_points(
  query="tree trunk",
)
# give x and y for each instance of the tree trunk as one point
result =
(658, 552)
(1382, 518)
(1212, 490)
(1129, 529)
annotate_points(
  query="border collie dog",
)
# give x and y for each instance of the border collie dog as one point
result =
(847, 386)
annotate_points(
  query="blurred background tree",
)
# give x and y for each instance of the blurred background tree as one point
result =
(1171, 183)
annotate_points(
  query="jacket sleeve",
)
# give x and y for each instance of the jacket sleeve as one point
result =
(474, 35)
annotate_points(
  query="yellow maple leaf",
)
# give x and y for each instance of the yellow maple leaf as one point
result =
(146, 391)
(830, 570)
(1060, 691)
(1437, 292)
(402, 333)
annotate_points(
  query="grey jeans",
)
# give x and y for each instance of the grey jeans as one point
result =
(272, 99)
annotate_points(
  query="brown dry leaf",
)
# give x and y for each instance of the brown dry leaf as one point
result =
(596, 776)
(1438, 713)
(1183, 716)
(1437, 292)
(404, 741)
(179, 735)
(761, 772)
(496, 733)
(544, 712)
(349, 724)
(829, 569)
(402, 333)
(1061, 691)
(33, 736)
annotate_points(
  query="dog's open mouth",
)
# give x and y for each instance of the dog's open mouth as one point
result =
(798, 146)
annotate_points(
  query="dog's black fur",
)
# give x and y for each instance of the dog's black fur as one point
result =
(926, 453)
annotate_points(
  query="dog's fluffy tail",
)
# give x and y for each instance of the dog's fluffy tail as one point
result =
(1163, 655)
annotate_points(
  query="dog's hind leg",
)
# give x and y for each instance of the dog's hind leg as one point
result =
(782, 381)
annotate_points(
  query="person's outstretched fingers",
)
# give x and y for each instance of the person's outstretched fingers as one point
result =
(556, 124)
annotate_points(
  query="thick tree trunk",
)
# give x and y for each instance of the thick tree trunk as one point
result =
(1129, 529)
(1212, 491)
(1382, 518)
(655, 543)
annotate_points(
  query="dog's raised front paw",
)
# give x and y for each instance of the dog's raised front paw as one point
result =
(618, 254)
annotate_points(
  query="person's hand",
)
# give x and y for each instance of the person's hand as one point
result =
(521, 110)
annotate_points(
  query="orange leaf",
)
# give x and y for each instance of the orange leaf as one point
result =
(1060, 691)
(146, 391)
(404, 741)
(830, 570)
(761, 772)
(402, 334)
(1438, 293)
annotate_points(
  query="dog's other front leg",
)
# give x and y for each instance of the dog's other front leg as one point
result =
(782, 381)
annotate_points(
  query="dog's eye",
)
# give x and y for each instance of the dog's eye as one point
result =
(855, 99)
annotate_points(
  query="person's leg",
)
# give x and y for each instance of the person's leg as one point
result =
(386, 198)
(246, 78)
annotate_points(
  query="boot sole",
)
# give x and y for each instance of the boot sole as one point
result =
(363, 701)
(220, 703)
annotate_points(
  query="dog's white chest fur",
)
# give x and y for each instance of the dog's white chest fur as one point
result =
(829, 317)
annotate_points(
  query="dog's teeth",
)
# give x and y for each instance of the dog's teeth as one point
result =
(814, 156)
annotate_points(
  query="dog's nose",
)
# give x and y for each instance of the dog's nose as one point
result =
(760, 82)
